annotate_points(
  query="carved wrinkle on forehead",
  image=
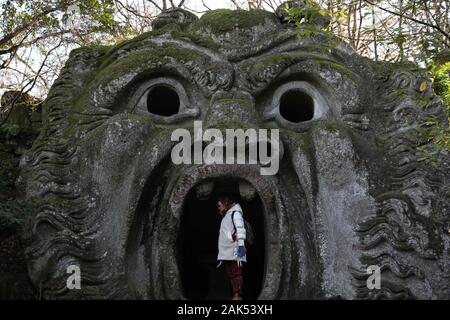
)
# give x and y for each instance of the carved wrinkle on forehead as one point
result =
(191, 66)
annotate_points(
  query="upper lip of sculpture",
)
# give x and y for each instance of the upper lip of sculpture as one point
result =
(193, 176)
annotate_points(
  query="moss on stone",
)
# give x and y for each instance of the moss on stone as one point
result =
(367, 149)
(14, 214)
(125, 43)
(341, 69)
(151, 53)
(218, 21)
(135, 117)
(177, 33)
(134, 60)
(8, 174)
(233, 125)
(384, 67)
(420, 99)
(275, 60)
(226, 20)
(334, 126)
(154, 54)
(173, 30)
(241, 102)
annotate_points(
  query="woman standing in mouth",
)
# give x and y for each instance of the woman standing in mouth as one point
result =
(231, 242)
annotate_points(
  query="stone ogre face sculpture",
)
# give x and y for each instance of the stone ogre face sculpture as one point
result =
(349, 194)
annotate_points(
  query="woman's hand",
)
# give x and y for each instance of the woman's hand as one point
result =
(241, 251)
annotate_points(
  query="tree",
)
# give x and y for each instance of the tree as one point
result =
(37, 36)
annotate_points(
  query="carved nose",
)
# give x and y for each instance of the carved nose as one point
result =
(237, 111)
(232, 110)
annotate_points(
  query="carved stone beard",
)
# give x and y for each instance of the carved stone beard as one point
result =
(349, 193)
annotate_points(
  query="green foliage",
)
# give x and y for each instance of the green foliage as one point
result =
(12, 211)
(441, 85)
(8, 130)
(14, 214)
(304, 14)
(304, 18)
(8, 175)
(42, 18)
(400, 39)
(435, 131)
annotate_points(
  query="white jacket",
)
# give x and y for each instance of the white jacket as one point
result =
(227, 247)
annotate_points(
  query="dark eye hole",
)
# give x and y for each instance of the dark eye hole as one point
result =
(163, 101)
(296, 106)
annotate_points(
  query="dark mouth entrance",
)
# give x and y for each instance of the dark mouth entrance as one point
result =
(197, 245)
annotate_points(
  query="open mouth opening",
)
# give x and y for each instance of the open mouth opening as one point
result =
(173, 244)
(197, 242)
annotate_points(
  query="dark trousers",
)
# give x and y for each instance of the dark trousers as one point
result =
(235, 274)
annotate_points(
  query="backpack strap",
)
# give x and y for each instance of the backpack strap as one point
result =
(232, 220)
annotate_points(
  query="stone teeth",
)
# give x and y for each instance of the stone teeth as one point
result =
(204, 189)
(246, 190)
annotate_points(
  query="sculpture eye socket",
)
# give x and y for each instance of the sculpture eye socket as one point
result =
(163, 101)
(296, 106)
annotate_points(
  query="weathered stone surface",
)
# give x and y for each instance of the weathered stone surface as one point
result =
(25, 112)
(177, 16)
(350, 192)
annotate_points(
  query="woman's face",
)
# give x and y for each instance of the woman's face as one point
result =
(221, 207)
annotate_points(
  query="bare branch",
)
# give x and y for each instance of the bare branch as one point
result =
(270, 4)
(132, 11)
(156, 5)
(436, 27)
(30, 83)
(204, 4)
(236, 4)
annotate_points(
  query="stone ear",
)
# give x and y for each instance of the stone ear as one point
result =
(178, 16)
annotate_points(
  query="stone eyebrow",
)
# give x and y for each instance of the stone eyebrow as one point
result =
(128, 66)
(258, 76)
(260, 67)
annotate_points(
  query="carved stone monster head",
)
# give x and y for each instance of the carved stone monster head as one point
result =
(349, 193)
